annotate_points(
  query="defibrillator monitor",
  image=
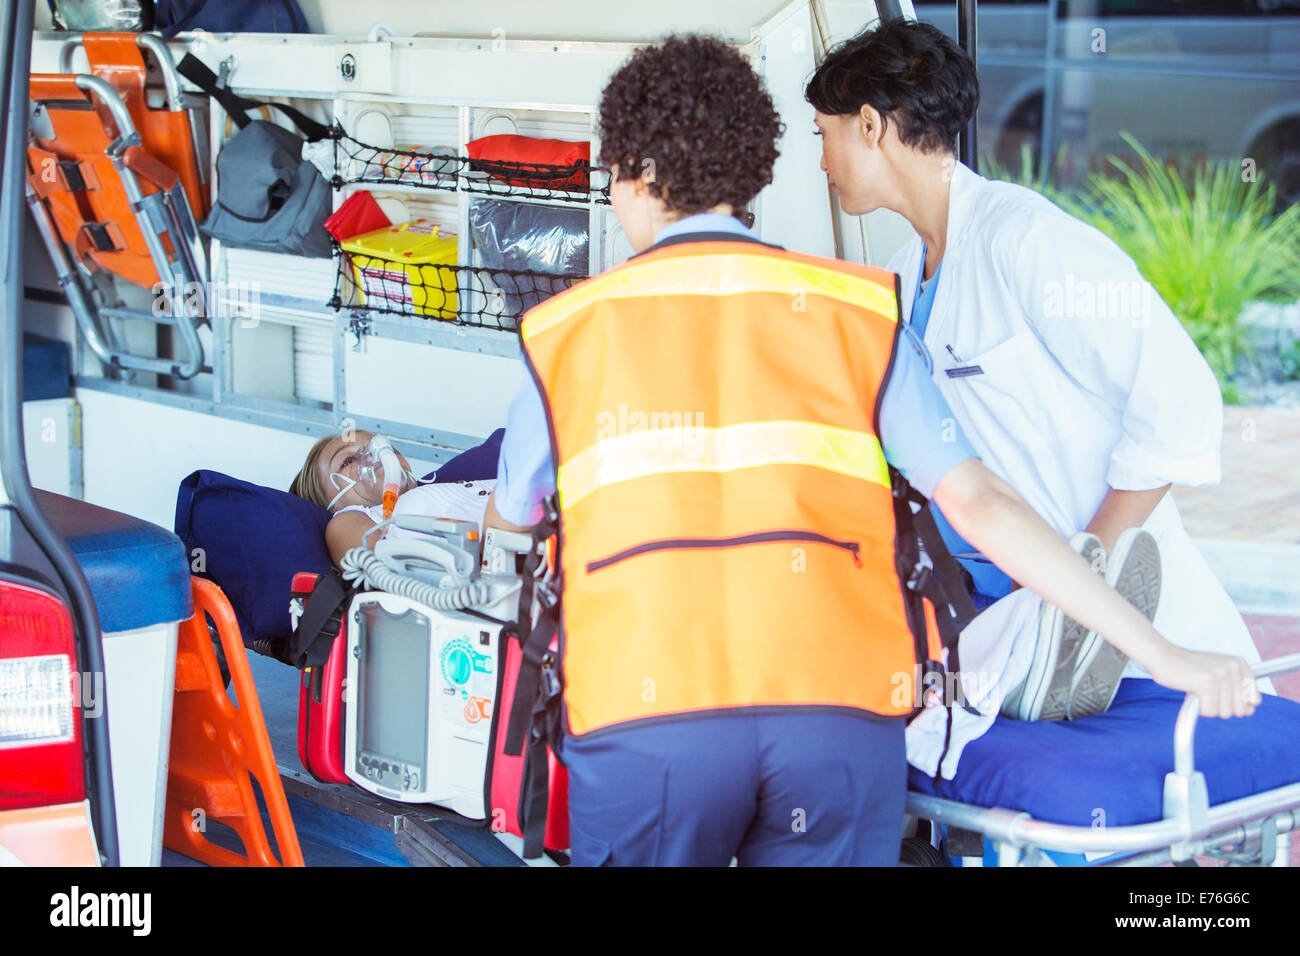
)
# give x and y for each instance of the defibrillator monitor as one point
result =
(392, 696)
(426, 684)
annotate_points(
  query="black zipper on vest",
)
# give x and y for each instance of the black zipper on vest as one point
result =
(761, 537)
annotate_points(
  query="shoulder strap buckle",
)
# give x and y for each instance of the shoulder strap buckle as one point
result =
(934, 677)
(547, 593)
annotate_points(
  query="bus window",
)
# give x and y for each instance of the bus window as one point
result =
(1197, 80)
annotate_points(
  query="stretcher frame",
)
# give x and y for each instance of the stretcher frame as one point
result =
(165, 211)
(177, 100)
(1259, 824)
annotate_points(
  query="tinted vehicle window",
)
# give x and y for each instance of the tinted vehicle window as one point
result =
(1192, 80)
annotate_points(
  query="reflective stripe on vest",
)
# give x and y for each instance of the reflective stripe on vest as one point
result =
(719, 274)
(727, 528)
(746, 445)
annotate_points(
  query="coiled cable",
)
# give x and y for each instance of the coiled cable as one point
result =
(363, 566)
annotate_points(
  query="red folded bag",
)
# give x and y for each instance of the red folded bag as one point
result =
(359, 213)
(531, 162)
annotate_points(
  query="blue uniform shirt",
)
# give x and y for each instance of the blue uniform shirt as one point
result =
(990, 581)
(918, 432)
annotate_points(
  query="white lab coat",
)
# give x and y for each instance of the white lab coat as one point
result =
(1089, 381)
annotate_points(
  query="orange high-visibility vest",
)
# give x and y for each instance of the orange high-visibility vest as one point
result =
(727, 529)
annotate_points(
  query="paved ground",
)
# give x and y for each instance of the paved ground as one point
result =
(1259, 498)
(1249, 529)
(1249, 525)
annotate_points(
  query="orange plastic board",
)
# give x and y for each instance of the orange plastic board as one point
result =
(218, 749)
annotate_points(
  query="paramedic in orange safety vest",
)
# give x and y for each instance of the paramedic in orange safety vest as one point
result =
(719, 416)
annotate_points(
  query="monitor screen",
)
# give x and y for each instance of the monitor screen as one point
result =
(394, 692)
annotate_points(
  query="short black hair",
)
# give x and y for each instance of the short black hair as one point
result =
(695, 108)
(911, 73)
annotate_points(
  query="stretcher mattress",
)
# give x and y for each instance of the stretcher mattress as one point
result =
(1110, 769)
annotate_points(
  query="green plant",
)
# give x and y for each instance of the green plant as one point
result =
(1290, 357)
(1031, 175)
(1208, 250)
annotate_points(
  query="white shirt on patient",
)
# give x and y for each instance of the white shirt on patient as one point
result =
(460, 500)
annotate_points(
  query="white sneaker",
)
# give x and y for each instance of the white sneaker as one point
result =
(1132, 569)
(1047, 689)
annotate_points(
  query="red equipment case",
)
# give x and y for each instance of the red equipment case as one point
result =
(321, 703)
(506, 774)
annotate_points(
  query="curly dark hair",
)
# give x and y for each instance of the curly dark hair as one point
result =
(911, 73)
(695, 108)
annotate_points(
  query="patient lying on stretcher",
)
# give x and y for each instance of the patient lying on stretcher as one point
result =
(343, 475)
(339, 476)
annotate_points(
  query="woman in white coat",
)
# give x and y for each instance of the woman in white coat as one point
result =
(1069, 375)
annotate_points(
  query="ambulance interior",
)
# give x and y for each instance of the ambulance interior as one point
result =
(194, 410)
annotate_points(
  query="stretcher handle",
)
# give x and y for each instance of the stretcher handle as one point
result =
(1185, 726)
(106, 95)
(148, 41)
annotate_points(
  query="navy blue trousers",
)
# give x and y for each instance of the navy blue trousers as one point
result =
(796, 789)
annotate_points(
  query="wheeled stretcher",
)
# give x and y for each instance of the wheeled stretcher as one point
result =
(1110, 790)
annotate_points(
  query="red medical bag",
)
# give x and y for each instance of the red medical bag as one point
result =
(531, 162)
(507, 777)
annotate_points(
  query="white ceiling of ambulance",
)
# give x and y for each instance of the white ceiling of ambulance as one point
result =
(566, 19)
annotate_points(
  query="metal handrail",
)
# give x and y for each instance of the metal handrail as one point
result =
(1186, 796)
(1185, 726)
(1019, 828)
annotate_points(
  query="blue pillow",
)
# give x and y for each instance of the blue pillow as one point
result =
(254, 539)
(473, 464)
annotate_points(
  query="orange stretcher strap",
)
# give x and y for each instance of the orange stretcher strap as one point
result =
(149, 169)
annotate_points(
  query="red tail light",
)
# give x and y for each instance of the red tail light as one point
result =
(41, 760)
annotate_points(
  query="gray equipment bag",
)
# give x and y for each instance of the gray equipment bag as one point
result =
(268, 196)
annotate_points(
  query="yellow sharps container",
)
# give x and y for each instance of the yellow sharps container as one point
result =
(402, 268)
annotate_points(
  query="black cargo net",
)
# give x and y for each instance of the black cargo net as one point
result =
(466, 295)
(445, 169)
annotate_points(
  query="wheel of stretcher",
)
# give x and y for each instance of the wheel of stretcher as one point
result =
(916, 851)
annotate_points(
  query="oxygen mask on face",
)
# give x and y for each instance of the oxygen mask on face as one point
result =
(375, 472)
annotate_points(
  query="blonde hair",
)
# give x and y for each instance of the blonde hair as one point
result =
(307, 484)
